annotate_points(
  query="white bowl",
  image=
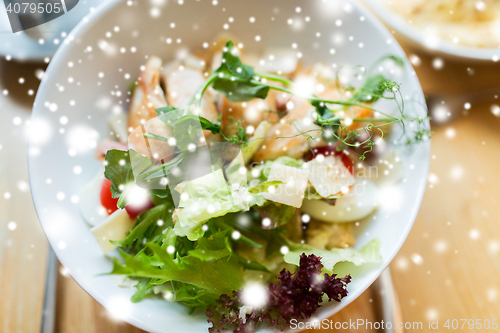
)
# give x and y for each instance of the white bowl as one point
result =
(415, 37)
(74, 99)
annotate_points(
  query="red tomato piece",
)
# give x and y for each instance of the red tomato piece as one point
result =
(107, 201)
(332, 150)
(134, 211)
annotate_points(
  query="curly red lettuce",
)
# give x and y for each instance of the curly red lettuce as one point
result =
(294, 296)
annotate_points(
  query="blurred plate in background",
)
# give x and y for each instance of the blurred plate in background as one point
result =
(417, 38)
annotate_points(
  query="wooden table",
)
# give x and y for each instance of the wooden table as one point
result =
(449, 268)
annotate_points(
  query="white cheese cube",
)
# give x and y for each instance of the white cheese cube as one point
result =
(115, 228)
(292, 192)
(329, 176)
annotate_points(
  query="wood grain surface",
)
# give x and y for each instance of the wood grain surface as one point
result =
(449, 267)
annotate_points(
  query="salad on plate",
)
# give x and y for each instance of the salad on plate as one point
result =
(234, 186)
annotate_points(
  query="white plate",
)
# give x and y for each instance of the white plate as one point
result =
(74, 91)
(417, 37)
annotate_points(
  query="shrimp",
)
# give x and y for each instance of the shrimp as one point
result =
(148, 95)
(105, 145)
(142, 116)
(295, 130)
(250, 113)
(292, 135)
(182, 84)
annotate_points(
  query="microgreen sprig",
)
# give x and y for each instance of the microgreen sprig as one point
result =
(239, 83)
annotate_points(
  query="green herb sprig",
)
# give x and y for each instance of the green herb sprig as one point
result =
(238, 82)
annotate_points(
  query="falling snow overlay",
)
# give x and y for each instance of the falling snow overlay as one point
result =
(181, 249)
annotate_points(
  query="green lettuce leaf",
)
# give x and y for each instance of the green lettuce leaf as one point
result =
(370, 253)
(217, 277)
(264, 186)
(204, 198)
(278, 214)
(120, 167)
(192, 296)
(143, 288)
(147, 226)
(215, 247)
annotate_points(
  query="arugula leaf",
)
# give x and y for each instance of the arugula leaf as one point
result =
(143, 289)
(278, 214)
(240, 91)
(215, 247)
(328, 121)
(372, 89)
(216, 276)
(192, 296)
(188, 128)
(231, 63)
(219, 224)
(120, 167)
(234, 79)
(209, 125)
(148, 226)
(251, 265)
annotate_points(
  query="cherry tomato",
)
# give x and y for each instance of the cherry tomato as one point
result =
(107, 201)
(134, 211)
(332, 150)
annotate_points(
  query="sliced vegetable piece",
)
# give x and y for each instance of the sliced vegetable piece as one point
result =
(361, 203)
(256, 141)
(370, 253)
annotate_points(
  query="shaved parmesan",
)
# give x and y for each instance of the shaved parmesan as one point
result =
(292, 192)
(115, 228)
(329, 176)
